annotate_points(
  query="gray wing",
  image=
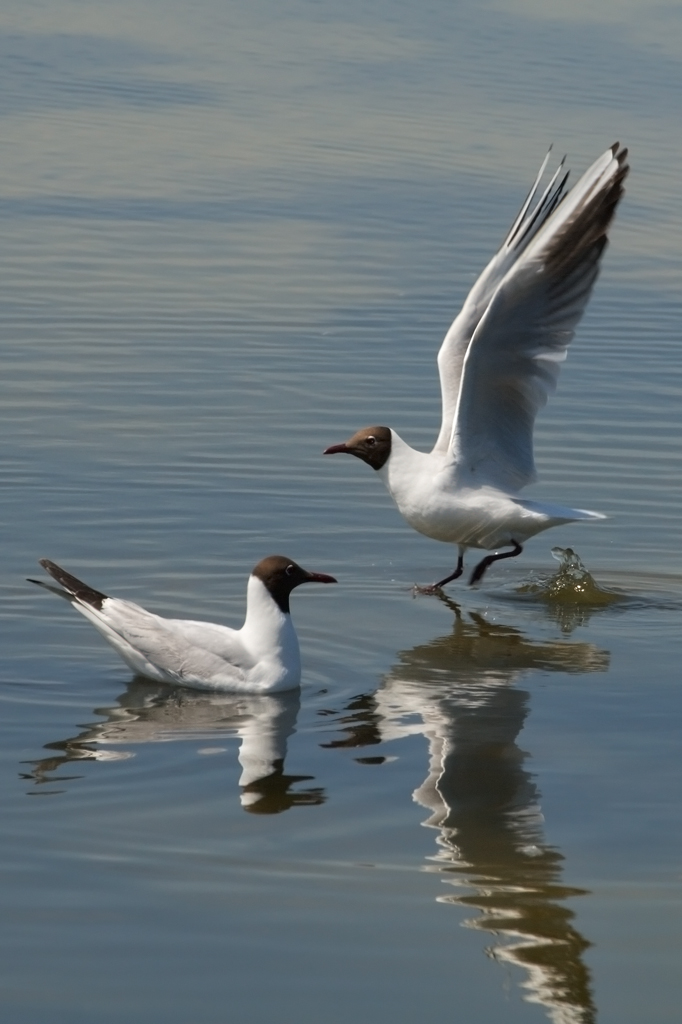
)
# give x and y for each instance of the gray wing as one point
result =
(514, 356)
(149, 642)
(456, 342)
(210, 636)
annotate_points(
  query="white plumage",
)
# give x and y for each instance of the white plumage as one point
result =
(498, 364)
(261, 657)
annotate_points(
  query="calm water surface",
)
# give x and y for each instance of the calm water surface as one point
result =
(232, 234)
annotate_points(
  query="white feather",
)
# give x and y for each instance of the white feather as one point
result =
(261, 657)
(498, 364)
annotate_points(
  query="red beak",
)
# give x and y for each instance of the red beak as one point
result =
(335, 449)
(320, 577)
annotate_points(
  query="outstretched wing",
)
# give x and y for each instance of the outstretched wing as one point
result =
(513, 358)
(456, 342)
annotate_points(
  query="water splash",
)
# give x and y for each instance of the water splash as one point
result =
(572, 584)
(570, 595)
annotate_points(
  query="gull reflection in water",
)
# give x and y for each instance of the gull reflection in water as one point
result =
(154, 713)
(457, 691)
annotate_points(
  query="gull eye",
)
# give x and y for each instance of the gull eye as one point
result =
(370, 441)
(290, 570)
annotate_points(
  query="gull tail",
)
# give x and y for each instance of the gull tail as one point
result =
(74, 589)
(558, 513)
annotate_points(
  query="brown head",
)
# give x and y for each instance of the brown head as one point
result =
(280, 575)
(371, 444)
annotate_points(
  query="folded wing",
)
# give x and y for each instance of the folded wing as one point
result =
(200, 654)
(156, 647)
(513, 358)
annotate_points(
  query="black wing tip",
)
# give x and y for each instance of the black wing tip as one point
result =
(585, 238)
(621, 155)
(73, 585)
(528, 221)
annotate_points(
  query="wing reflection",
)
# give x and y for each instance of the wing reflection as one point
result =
(155, 713)
(457, 691)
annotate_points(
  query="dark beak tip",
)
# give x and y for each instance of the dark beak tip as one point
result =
(321, 577)
(335, 449)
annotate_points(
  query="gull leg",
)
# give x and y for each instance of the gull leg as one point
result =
(453, 575)
(448, 579)
(486, 562)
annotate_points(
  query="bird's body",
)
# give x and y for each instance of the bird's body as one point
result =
(472, 517)
(261, 657)
(498, 364)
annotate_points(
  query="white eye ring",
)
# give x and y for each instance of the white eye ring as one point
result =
(371, 440)
(289, 570)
